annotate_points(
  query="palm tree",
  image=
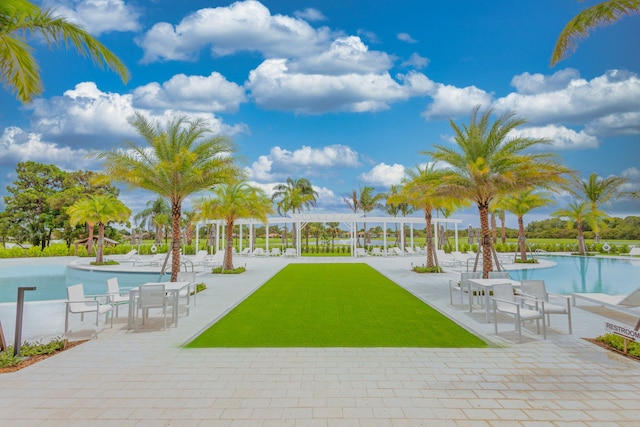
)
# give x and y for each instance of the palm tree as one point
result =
(420, 190)
(491, 164)
(395, 208)
(578, 212)
(596, 191)
(99, 209)
(295, 195)
(520, 204)
(601, 14)
(368, 202)
(19, 69)
(235, 201)
(159, 206)
(176, 161)
(354, 204)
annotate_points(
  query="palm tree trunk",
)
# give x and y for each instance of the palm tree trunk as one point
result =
(176, 214)
(228, 252)
(582, 250)
(427, 218)
(487, 263)
(100, 250)
(90, 240)
(521, 239)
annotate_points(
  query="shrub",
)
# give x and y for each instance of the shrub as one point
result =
(7, 359)
(219, 270)
(617, 342)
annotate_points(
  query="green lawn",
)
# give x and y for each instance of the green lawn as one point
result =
(334, 305)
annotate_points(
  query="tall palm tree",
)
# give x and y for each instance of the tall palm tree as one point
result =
(353, 202)
(294, 196)
(420, 190)
(578, 212)
(98, 210)
(19, 70)
(596, 191)
(176, 161)
(601, 14)
(235, 201)
(491, 164)
(520, 204)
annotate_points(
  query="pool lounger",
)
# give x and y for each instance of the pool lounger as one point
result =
(629, 304)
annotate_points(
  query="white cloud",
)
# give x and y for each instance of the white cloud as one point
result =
(18, 146)
(242, 26)
(98, 16)
(450, 101)
(87, 116)
(384, 175)
(416, 61)
(561, 138)
(344, 55)
(281, 163)
(565, 98)
(191, 93)
(406, 37)
(274, 86)
(310, 14)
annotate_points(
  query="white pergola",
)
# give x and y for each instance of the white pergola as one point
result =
(349, 221)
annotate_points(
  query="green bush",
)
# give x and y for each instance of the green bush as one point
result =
(7, 359)
(617, 342)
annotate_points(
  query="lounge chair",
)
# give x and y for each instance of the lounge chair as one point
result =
(275, 252)
(214, 260)
(396, 251)
(291, 252)
(244, 252)
(633, 252)
(78, 303)
(553, 303)
(505, 302)
(376, 252)
(259, 252)
(157, 259)
(359, 252)
(628, 304)
(128, 257)
(198, 258)
(410, 250)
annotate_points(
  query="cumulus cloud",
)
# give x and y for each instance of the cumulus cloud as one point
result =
(565, 98)
(242, 26)
(274, 86)
(406, 37)
(450, 101)
(19, 145)
(310, 14)
(89, 117)
(191, 93)
(98, 16)
(560, 137)
(281, 163)
(416, 61)
(384, 175)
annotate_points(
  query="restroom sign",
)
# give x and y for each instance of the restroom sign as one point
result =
(623, 331)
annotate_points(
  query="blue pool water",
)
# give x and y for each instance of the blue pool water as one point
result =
(586, 274)
(51, 281)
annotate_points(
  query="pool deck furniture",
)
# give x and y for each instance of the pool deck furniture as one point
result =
(171, 289)
(506, 302)
(79, 303)
(633, 252)
(628, 304)
(483, 288)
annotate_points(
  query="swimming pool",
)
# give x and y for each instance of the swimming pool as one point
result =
(52, 280)
(586, 274)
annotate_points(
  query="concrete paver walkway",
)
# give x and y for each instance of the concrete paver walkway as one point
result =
(126, 378)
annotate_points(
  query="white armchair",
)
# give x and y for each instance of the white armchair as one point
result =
(504, 301)
(78, 303)
(553, 303)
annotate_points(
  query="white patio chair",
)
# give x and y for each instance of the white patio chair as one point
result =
(78, 303)
(115, 295)
(291, 253)
(188, 276)
(152, 296)
(505, 302)
(275, 252)
(376, 252)
(553, 303)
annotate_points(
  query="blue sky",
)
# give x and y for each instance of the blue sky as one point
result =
(345, 93)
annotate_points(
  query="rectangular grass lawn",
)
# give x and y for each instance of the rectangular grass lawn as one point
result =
(334, 305)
